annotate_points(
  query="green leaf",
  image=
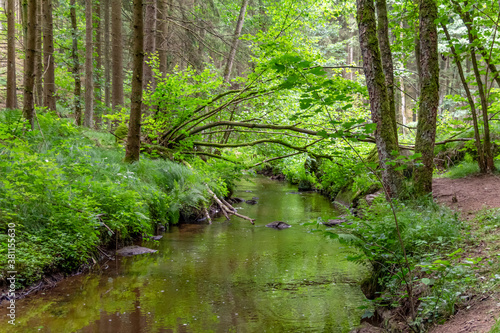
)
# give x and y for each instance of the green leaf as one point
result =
(317, 71)
(426, 281)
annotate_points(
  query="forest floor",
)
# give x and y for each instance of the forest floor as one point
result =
(473, 196)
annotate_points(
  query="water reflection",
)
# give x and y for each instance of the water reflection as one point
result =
(227, 277)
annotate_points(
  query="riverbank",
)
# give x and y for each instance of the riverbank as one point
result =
(230, 275)
(67, 197)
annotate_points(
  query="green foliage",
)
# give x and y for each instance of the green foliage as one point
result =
(427, 230)
(63, 193)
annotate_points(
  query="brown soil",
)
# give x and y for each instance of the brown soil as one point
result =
(468, 196)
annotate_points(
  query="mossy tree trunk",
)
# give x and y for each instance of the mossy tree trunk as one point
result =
(385, 136)
(429, 96)
(385, 51)
(134, 127)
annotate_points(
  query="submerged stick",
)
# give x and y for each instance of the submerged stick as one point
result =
(205, 211)
(227, 208)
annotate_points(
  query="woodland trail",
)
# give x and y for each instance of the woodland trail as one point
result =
(470, 195)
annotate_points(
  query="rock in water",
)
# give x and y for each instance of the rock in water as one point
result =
(156, 237)
(331, 223)
(134, 250)
(251, 202)
(278, 225)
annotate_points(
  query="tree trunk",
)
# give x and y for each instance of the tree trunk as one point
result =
(385, 137)
(98, 69)
(49, 86)
(89, 80)
(429, 96)
(107, 65)
(149, 44)
(117, 49)
(134, 129)
(385, 51)
(11, 102)
(39, 55)
(161, 31)
(488, 154)
(29, 71)
(477, 135)
(236, 39)
(76, 65)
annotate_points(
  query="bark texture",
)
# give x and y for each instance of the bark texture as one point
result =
(11, 102)
(429, 96)
(236, 39)
(117, 49)
(149, 42)
(98, 65)
(89, 66)
(385, 52)
(39, 55)
(385, 137)
(76, 65)
(107, 65)
(134, 128)
(49, 86)
(29, 71)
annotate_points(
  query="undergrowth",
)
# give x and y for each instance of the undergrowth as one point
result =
(67, 191)
(442, 277)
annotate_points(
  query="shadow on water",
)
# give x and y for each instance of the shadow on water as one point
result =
(224, 277)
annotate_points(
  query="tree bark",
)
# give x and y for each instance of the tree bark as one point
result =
(379, 101)
(89, 80)
(149, 44)
(39, 55)
(107, 66)
(11, 102)
(429, 96)
(236, 39)
(29, 71)
(98, 68)
(134, 129)
(385, 51)
(161, 31)
(117, 66)
(76, 64)
(49, 86)
(477, 135)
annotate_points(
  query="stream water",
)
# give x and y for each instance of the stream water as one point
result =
(225, 277)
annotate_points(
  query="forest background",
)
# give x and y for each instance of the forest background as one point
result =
(342, 97)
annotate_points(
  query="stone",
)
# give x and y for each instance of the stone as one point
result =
(333, 222)
(133, 250)
(278, 225)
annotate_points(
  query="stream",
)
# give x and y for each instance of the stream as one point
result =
(230, 276)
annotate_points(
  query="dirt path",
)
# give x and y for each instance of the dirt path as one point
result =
(468, 196)
(471, 193)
